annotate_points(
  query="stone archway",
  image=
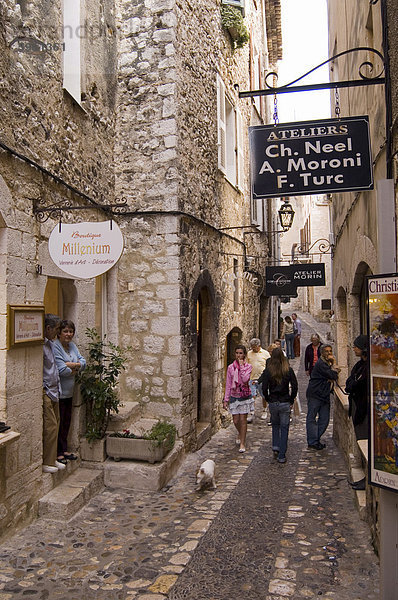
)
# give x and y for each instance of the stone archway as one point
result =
(358, 298)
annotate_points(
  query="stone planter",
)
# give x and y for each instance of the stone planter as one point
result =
(136, 449)
(92, 451)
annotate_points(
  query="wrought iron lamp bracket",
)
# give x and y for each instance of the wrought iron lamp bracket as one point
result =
(324, 247)
(364, 79)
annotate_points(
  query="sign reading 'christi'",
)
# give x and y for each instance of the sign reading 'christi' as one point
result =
(86, 250)
(313, 157)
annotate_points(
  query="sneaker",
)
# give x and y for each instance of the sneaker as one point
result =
(282, 459)
(60, 465)
(48, 469)
(250, 418)
(264, 416)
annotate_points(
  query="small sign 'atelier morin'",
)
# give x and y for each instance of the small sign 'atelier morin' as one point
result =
(86, 250)
(313, 157)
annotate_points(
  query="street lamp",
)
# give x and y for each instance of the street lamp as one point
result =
(286, 215)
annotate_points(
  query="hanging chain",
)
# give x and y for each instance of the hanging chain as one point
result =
(275, 115)
(337, 103)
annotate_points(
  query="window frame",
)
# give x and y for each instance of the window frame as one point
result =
(230, 138)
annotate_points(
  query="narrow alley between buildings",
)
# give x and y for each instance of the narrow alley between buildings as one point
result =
(269, 531)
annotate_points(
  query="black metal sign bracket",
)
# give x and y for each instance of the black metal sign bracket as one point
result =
(365, 79)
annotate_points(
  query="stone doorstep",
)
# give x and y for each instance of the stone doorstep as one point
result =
(142, 476)
(50, 480)
(128, 413)
(203, 434)
(71, 495)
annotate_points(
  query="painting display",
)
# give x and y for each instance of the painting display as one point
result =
(383, 363)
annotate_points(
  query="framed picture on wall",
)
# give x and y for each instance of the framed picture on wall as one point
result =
(25, 325)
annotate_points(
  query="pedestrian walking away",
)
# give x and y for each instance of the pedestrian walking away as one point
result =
(257, 357)
(288, 335)
(279, 384)
(319, 389)
(238, 398)
(312, 353)
(297, 334)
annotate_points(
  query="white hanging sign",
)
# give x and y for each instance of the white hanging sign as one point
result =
(86, 250)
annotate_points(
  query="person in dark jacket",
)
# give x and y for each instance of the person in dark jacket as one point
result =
(312, 353)
(323, 375)
(279, 384)
(357, 388)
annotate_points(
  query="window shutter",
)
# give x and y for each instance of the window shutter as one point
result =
(221, 125)
(240, 150)
(72, 48)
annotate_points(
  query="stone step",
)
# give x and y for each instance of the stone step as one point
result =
(50, 480)
(142, 425)
(71, 495)
(203, 434)
(142, 476)
(128, 413)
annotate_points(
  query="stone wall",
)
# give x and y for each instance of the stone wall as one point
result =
(41, 122)
(166, 166)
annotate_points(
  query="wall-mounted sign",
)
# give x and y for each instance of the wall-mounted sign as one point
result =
(86, 250)
(314, 157)
(383, 370)
(25, 325)
(284, 281)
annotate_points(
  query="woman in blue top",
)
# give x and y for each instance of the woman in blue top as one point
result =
(69, 362)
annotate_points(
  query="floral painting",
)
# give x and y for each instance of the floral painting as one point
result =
(383, 363)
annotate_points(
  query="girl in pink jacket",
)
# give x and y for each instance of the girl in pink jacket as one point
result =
(238, 398)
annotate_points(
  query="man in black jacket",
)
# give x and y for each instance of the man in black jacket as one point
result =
(323, 375)
(357, 388)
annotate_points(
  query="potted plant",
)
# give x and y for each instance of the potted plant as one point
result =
(98, 383)
(151, 446)
(232, 19)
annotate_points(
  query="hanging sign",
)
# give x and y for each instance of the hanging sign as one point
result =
(86, 250)
(284, 281)
(313, 157)
(383, 371)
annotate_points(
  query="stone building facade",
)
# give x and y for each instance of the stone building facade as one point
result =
(307, 241)
(149, 117)
(363, 232)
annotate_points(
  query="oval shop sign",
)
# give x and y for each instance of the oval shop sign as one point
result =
(86, 250)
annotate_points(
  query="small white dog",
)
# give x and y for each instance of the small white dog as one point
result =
(206, 475)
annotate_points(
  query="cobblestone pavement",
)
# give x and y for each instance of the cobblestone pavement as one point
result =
(269, 531)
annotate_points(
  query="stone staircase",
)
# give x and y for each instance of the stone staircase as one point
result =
(139, 475)
(61, 503)
(82, 480)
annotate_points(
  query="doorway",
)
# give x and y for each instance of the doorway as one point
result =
(205, 356)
